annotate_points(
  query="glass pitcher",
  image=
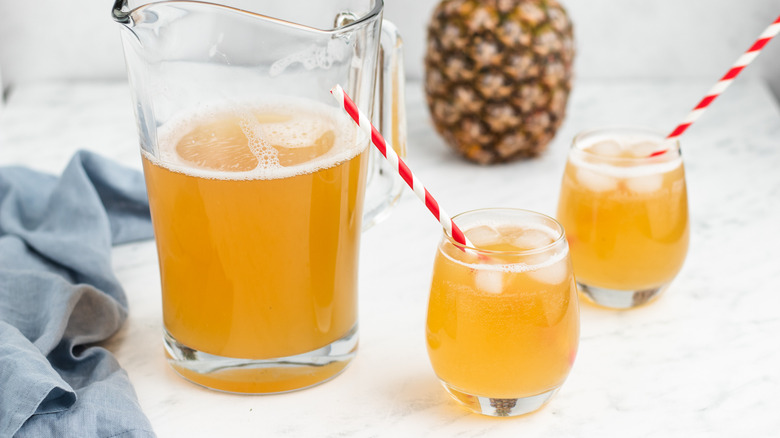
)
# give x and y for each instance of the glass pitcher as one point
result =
(256, 179)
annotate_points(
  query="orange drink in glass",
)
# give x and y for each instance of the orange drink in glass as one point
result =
(625, 214)
(503, 320)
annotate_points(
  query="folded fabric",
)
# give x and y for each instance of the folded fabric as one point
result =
(59, 298)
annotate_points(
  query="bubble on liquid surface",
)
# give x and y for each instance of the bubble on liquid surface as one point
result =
(267, 156)
(296, 133)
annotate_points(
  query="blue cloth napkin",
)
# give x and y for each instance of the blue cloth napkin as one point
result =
(59, 298)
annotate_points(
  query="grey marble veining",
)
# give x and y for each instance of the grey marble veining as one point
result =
(704, 360)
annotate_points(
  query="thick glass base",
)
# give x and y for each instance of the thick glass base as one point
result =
(501, 407)
(261, 376)
(620, 299)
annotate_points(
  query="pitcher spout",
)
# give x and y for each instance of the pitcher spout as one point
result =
(120, 14)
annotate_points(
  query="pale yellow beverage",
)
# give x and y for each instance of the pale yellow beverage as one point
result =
(625, 214)
(257, 216)
(503, 321)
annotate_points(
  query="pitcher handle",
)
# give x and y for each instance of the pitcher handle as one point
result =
(384, 186)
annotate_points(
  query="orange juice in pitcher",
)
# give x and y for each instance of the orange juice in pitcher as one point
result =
(257, 217)
(259, 185)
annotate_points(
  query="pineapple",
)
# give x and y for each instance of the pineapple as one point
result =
(498, 75)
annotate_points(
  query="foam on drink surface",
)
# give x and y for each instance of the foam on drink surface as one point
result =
(265, 141)
(531, 247)
(608, 162)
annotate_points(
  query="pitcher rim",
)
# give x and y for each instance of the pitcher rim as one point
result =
(122, 16)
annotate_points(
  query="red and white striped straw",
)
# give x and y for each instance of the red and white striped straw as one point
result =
(398, 164)
(746, 58)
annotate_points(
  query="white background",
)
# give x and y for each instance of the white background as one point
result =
(631, 39)
(701, 362)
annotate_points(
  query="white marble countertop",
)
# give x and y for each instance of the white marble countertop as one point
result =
(704, 360)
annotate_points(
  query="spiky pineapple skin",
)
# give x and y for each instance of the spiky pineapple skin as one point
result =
(498, 75)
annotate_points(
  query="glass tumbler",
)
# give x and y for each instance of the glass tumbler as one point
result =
(625, 210)
(503, 319)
